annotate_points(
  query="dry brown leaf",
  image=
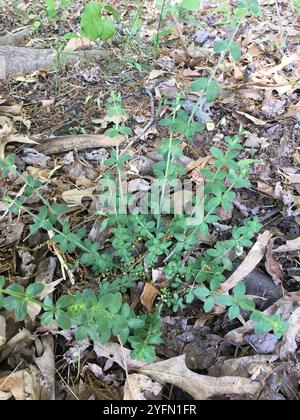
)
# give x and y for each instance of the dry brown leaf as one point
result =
(265, 188)
(22, 385)
(140, 387)
(293, 110)
(273, 267)
(200, 163)
(253, 258)
(77, 44)
(201, 387)
(75, 197)
(148, 296)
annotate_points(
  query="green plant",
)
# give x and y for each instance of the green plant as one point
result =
(137, 243)
(94, 24)
(296, 5)
(52, 8)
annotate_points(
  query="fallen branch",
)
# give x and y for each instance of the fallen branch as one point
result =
(64, 144)
(21, 60)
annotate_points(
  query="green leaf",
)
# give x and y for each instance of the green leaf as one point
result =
(62, 320)
(199, 84)
(2, 282)
(201, 292)
(64, 301)
(47, 318)
(217, 153)
(235, 51)
(81, 333)
(247, 304)
(92, 24)
(239, 290)
(136, 323)
(34, 289)
(212, 91)
(115, 303)
(51, 10)
(224, 300)
(233, 312)
(209, 304)
(221, 46)
(193, 5)
(21, 310)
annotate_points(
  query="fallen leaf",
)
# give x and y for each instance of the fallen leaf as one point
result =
(46, 365)
(140, 387)
(77, 44)
(290, 246)
(115, 353)
(75, 197)
(200, 387)
(22, 385)
(154, 74)
(273, 267)
(148, 296)
(14, 138)
(253, 258)
(292, 336)
(2, 330)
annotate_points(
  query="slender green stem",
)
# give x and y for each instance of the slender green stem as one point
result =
(201, 100)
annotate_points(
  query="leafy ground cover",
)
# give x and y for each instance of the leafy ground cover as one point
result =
(99, 299)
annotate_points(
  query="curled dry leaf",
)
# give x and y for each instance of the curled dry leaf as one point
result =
(46, 365)
(77, 44)
(254, 257)
(290, 246)
(292, 336)
(23, 336)
(273, 267)
(200, 387)
(140, 387)
(22, 385)
(2, 330)
(75, 197)
(148, 296)
(116, 354)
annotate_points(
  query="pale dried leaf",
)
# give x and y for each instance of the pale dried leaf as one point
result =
(2, 330)
(75, 197)
(137, 387)
(291, 246)
(200, 387)
(254, 257)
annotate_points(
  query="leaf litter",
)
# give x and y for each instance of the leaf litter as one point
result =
(37, 124)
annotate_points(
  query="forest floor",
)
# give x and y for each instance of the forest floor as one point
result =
(259, 101)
